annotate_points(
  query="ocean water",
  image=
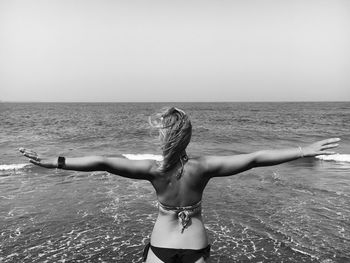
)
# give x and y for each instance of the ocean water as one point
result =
(294, 212)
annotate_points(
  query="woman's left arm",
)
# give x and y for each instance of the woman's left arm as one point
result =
(119, 166)
(217, 166)
(273, 157)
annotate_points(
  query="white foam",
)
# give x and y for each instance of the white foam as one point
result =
(144, 156)
(303, 252)
(335, 157)
(4, 167)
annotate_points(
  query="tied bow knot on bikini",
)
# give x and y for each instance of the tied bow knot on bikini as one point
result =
(183, 213)
(184, 217)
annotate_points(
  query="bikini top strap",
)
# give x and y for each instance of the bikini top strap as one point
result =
(183, 159)
(180, 208)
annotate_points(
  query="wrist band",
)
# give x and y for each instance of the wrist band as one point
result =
(61, 162)
(301, 152)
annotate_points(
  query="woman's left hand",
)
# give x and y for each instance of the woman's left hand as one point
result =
(40, 161)
(321, 147)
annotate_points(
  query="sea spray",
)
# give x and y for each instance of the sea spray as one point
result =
(335, 157)
(6, 167)
(145, 156)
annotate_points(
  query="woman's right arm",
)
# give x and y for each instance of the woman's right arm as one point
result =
(136, 169)
(216, 166)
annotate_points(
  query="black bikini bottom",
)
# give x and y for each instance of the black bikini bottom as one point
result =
(176, 255)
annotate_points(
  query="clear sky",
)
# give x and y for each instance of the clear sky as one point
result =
(183, 50)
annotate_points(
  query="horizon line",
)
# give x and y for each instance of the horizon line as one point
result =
(233, 101)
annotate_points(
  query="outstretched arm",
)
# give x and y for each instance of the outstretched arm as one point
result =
(120, 166)
(216, 166)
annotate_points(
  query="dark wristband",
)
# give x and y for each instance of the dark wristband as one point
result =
(61, 162)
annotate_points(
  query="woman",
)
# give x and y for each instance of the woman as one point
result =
(179, 234)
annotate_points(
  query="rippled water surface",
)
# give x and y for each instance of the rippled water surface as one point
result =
(295, 212)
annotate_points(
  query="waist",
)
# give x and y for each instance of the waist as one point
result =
(168, 231)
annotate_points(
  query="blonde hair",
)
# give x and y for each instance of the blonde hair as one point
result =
(175, 130)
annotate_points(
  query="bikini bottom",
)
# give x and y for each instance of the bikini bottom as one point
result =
(176, 255)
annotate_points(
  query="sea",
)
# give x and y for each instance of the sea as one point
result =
(293, 212)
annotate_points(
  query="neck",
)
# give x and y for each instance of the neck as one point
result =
(183, 158)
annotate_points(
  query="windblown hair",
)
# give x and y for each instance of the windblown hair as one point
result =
(175, 130)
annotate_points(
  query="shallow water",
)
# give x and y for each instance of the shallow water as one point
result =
(295, 212)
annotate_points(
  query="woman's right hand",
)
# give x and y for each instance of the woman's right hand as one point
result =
(40, 161)
(320, 147)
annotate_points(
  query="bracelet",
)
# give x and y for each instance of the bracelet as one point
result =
(301, 152)
(61, 162)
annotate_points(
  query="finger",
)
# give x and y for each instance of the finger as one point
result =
(25, 151)
(31, 156)
(329, 146)
(36, 158)
(331, 140)
(34, 162)
(26, 155)
(28, 151)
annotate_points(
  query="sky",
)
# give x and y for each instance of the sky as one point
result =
(216, 50)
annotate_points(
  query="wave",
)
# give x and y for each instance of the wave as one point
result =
(143, 156)
(5, 167)
(335, 157)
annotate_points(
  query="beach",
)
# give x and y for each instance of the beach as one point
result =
(294, 212)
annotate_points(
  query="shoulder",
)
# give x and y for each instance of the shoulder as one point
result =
(197, 165)
(197, 161)
(195, 172)
(217, 166)
(201, 162)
